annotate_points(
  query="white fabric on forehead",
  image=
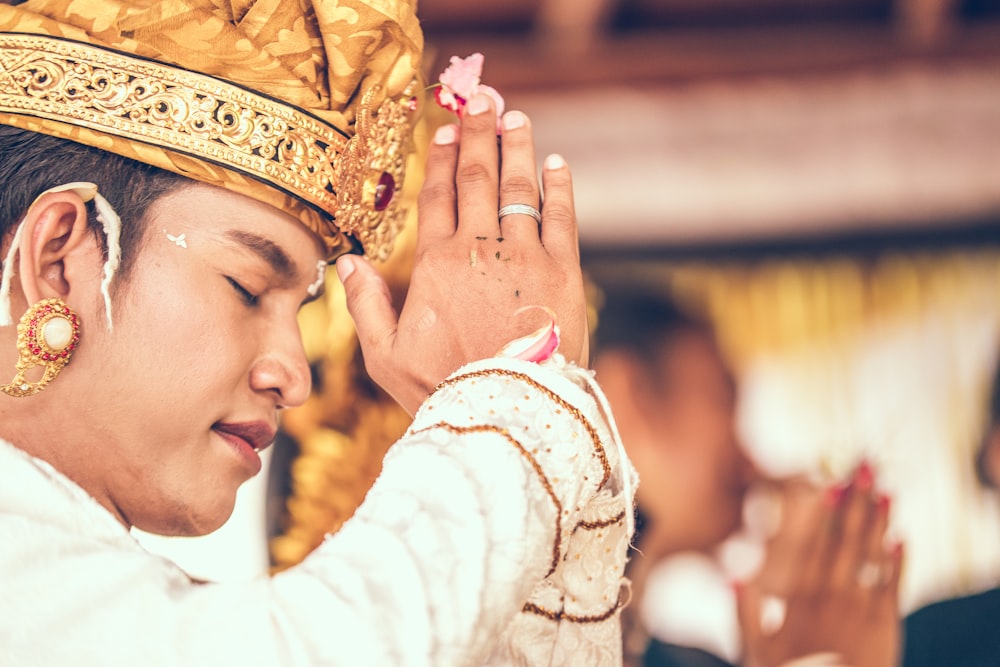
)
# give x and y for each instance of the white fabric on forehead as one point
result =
(112, 230)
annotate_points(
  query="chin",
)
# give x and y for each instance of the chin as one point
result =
(191, 520)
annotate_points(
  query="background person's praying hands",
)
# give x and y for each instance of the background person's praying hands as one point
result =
(830, 581)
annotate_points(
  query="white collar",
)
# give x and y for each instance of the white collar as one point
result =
(31, 488)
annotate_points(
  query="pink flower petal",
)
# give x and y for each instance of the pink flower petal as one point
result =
(497, 101)
(462, 75)
(460, 81)
(535, 347)
(449, 100)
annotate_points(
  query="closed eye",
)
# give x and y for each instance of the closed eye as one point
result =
(248, 297)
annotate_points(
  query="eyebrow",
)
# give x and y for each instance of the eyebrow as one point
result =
(267, 250)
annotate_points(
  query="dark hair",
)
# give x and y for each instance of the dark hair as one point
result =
(995, 398)
(31, 163)
(991, 426)
(642, 320)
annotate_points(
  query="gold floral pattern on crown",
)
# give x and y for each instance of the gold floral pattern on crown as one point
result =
(215, 120)
(374, 165)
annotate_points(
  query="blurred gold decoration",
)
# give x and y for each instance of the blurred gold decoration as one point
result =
(816, 311)
(348, 424)
(776, 305)
(887, 355)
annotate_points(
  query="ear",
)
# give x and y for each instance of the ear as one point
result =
(57, 248)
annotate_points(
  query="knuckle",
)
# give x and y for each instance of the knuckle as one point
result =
(560, 178)
(474, 173)
(517, 187)
(559, 214)
(440, 157)
(426, 257)
(436, 192)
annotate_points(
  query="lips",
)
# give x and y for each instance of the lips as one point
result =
(258, 435)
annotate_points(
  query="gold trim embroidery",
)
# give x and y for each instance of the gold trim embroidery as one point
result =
(196, 114)
(504, 433)
(563, 615)
(597, 525)
(591, 431)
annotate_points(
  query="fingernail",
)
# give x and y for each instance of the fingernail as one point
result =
(834, 495)
(513, 120)
(478, 104)
(865, 475)
(884, 503)
(896, 549)
(345, 267)
(555, 161)
(446, 134)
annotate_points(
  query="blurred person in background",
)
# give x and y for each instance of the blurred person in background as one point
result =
(675, 402)
(960, 632)
(825, 586)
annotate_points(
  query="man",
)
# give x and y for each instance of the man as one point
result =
(176, 177)
(675, 403)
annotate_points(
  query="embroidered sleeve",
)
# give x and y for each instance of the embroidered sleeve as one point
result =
(494, 534)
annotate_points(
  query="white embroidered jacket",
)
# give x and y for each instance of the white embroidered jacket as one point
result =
(494, 535)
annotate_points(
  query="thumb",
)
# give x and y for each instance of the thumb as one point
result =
(370, 305)
(748, 613)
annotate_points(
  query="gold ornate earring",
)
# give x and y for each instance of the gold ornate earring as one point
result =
(46, 336)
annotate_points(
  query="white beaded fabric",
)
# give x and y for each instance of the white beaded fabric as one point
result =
(494, 535)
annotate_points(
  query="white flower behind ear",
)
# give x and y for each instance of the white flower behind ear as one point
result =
(112, 230)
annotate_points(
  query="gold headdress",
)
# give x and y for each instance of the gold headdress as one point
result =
(306, 105)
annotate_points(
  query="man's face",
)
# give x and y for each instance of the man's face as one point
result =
(693, 472)
(205, 349)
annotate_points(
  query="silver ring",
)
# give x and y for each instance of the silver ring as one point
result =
(773, 610)
(869, 575)
(520, 209)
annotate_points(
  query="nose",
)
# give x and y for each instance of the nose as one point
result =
(282, 369)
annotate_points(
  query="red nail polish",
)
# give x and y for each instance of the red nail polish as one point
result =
(884, 503)
(835, 495)
(865, 475)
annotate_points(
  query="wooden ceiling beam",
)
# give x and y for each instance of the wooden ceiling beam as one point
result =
(534, 62)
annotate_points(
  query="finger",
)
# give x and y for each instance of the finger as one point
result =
(370, 305)
(896, 554)
(748, 612)
(436, 204)
(478, 170)
(559, 231)
(848, 557)
(802, 539)
(518, 178)
(874, 567)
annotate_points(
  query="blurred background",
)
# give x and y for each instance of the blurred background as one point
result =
(821, 177)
